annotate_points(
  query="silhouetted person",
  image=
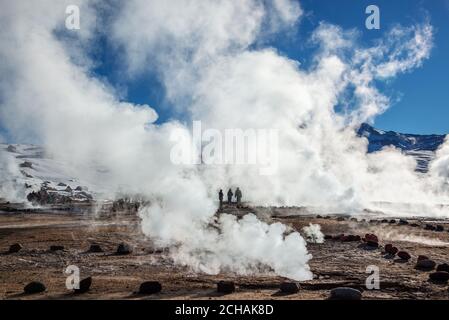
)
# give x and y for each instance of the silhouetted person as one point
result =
(220, 197)
(238, 195)
(230, 194)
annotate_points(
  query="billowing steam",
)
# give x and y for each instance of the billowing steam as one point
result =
(313, 233)
(211, 58)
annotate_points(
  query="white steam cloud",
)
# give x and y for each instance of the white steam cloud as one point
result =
(205, 53)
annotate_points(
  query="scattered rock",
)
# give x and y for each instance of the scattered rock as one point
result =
(79, 188)
(124, 248)
(34, 287)
(384, 221)
(343, 293)
(319, 217)
(425, 265)
(341, 219)
(84, 285)
(392, 221)
(328, 237)
(95, 248)
(16, 247)
(371, 237)
(439, 276)
(26, 164)
(404, 255)
(225, 287)
(443, 267)
(289, 287)
(150, 287)
(414, 225)
(439, 228)
(390, 249)
(421, 257)
(62, 184)
(56, 248)
(350, 238)
(11, 148)
(403, 222)
(338, 237)
(430, 227)
(68, 189)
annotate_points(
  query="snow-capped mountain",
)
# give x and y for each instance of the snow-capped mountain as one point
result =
(27, 169)
(422, 147)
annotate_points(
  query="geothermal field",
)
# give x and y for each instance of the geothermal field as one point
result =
(55, 237)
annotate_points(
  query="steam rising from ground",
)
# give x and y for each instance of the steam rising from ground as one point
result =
(313, 233)
(211, 58)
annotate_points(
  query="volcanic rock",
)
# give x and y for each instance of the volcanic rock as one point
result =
(16, 247)
(150, 287)
(225, 287)
(443, 267)
(392, 221)
(430, 227)
(421, 257)
(343, 293)
(26, 164)
(390, 249)
(425, 265)
(84, 285)
(403, 222)
(34, 287)
(289, 287)
(62, 184)
(439, 276)
(404, 255)
(95, 248)
(124, 248)
(56, 248)
(439, 228)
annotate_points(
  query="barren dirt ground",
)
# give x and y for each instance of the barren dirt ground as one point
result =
(334, 263)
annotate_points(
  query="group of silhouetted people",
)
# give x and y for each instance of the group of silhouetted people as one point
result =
(238, 196)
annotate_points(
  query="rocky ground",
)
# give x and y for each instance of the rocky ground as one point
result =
(338, 262)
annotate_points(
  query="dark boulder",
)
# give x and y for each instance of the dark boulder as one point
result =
(443, 267)
(384, 221)
(404, 255)
(34, 287)
(350, 238)
(84, 285)
(319, 217)
(11, 148)
(26, 164)
(369, 237)
(403, 222)
(390, 249)
(124, 248)
(414, 225)
(341, 219)
(150, 287)
(343, 293)
(68, 189)
(62, 184)
(328, 237)
(430, 227)
(95, 248)
(56, 248)
(16, 247)
(439, 276)
(425, 265)
(421, 257)
(289, 287)
(392, 221)
(439, 228)
(225, 287)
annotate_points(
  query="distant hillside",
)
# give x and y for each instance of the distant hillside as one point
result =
(422, 147)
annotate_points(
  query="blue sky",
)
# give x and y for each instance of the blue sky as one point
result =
(423, 104)
(421, 97)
